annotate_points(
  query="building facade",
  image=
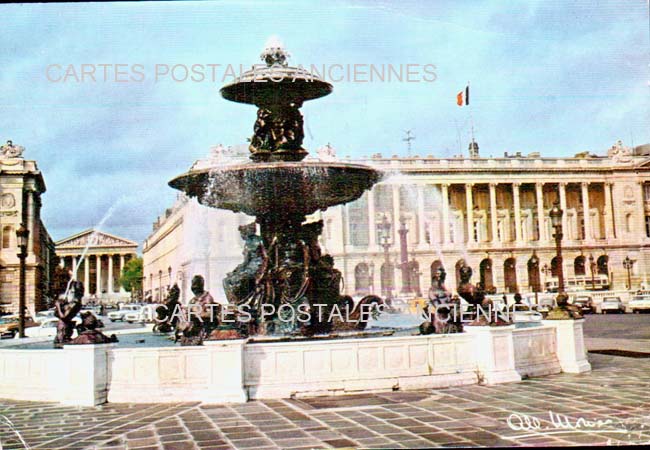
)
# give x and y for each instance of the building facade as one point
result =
(492, 213)
(21, 188)
(99, 258)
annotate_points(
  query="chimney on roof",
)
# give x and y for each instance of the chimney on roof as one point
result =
(473, 149)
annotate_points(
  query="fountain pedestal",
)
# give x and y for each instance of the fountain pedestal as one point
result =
(571, 350)
(494, 353)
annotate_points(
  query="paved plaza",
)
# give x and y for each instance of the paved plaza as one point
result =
(614, 393)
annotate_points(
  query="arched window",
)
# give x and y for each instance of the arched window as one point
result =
(579, 266)
(603, 265)
(485, 272)
(510, 275)
(362, 278)
(6, 236)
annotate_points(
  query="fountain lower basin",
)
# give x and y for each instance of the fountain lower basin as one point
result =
(277, 188)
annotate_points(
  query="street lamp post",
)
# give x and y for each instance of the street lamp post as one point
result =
(22, 234)
(404, 258)
(592, 266)
(556, 220)
(384, 233)
(534, 267)
(627, 264)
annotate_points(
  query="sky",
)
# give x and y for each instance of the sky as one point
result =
(548, 76)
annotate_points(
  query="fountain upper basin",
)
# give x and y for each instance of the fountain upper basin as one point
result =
(277, 188)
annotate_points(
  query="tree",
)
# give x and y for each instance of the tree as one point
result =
(59, 282)
(131, 277)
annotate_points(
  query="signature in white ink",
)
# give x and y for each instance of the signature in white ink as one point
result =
(5, 421)
(561, 423)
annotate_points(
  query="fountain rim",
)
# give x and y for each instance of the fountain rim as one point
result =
(245, 87)
(255, 166)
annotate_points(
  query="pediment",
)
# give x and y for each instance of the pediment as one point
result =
(92, 238)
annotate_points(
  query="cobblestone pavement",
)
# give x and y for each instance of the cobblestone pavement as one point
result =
(615, 392)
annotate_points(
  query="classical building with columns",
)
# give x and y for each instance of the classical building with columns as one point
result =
(492, 213)
(100, 258)
(21, 188)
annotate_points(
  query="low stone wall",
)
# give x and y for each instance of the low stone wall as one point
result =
(234, 371)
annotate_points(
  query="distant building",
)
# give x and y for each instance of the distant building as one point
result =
(101, 257)
(491, 212)
(21, 187)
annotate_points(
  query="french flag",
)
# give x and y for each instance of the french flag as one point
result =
(462, 98)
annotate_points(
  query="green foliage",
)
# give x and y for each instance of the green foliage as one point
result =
(131, 276)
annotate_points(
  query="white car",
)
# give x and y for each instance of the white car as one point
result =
(612, 304)
(119, 315)
(639, 303)
(41, 316)
(144, 314)
(46, 328)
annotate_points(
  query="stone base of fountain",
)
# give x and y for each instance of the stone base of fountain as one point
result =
(236, 370)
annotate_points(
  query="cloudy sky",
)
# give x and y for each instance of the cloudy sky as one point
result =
(550, 76)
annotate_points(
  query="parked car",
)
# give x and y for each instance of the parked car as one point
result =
(47, 328)
(9, 325)
(145, 314)
(545, 304)
(526, 316)
(612, 305)
(44, 315)
(639, 303)
(585, 303)
(120, 313)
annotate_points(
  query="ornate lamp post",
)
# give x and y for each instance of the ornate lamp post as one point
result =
(407, 287)
(628, 263)
(387, 275)
(533, 264)
(556, 220)
(546, 270)
(23, 235)
(592, 266)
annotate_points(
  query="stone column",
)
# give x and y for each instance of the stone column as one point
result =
(346, 226)
(122, 291)
(110, 274)
(422, 243)
(62, 262)
(74, 267)
(372, 235)
(586, 212)
(87, 276)
(517, 209)
(562, 191)
(469, 204)
(98, 258)
(396, 214)
(493, 213)
(539, 191)
(609, 212)
(445, 213)
(641, 210)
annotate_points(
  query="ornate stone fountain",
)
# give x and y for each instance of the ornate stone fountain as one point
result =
(283, 268)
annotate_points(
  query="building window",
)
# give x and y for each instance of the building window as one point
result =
(647, 226)
(628, 222)
(6, 236)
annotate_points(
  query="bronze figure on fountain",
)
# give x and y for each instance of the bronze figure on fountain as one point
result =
(475, 296)
(66, 311)
(443, 311)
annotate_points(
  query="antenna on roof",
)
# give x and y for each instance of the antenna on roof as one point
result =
(409, 137)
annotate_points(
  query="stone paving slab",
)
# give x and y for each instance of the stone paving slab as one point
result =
(610, 405)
